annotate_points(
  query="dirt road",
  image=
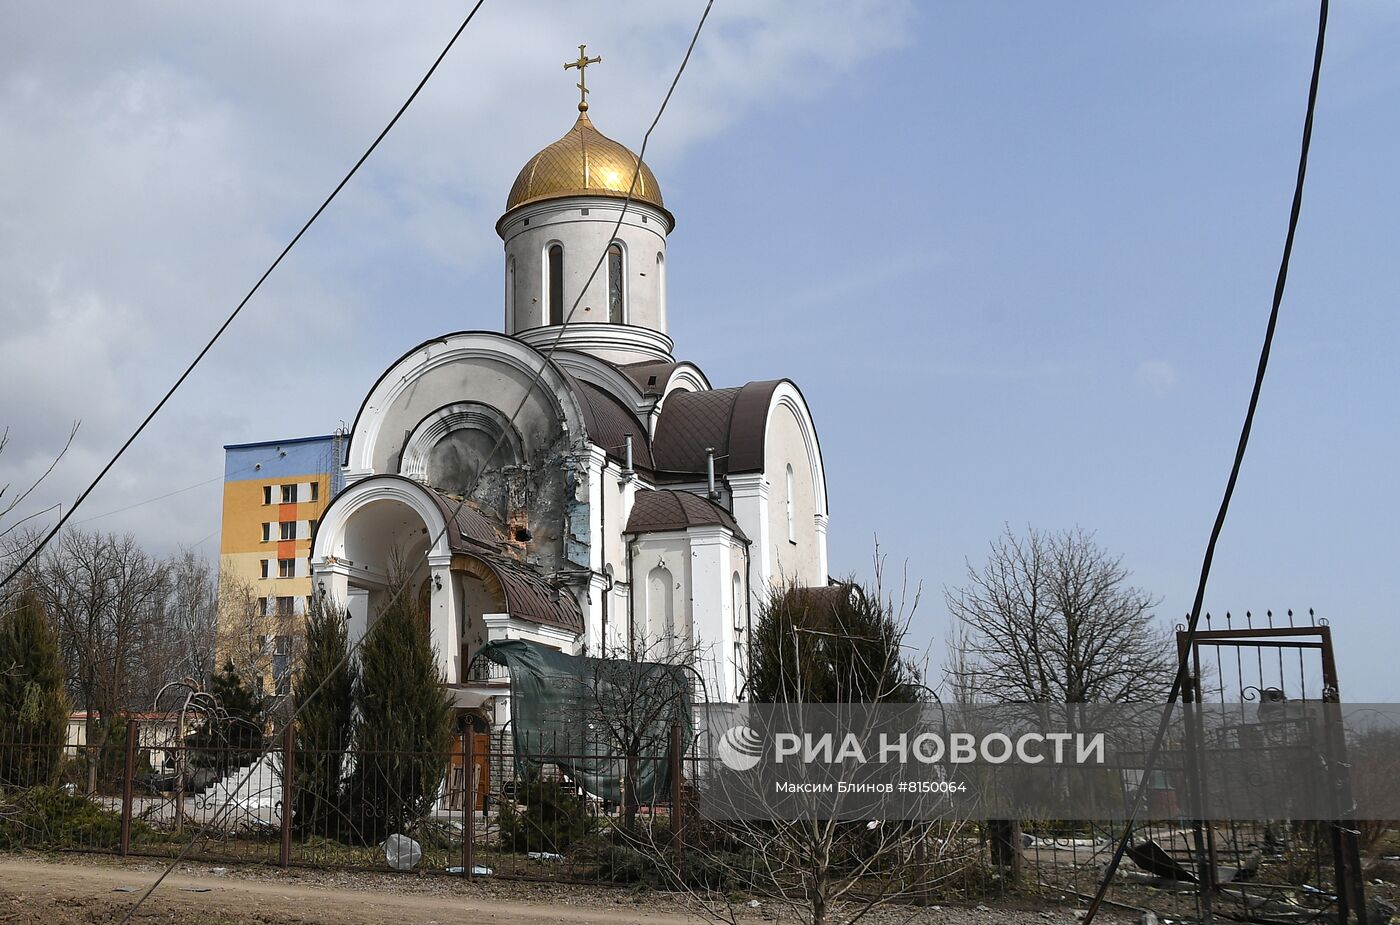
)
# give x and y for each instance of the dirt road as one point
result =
(64, 892)
(78, 890)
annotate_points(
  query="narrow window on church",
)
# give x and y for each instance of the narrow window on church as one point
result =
(615, 283)
(738, 601)
(661, 289)
(510, 294)
(556, 284)
(792, 526)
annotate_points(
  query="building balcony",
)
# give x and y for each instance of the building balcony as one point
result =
(483, 671)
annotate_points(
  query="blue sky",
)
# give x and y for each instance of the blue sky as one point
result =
(1017, 255)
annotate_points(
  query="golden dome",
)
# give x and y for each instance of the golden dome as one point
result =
(584, 162)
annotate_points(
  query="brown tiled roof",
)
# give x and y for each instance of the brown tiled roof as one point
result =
(659, 511)
(473, 528)
(609, 422)
(528, 594)
(734, 422)
(650, 376)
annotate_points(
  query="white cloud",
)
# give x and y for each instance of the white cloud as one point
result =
(156, 157)
(1156, 376)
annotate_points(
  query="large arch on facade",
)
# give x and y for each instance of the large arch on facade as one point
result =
(364, 453)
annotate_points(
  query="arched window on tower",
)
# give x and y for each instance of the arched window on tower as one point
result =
(554, 284)
(510, 294)
(661, 290)
(616, 283)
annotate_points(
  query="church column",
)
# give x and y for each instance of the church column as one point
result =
(599, 524)
(711, 619)
(356, 614)
(750, 507)
(443, 615)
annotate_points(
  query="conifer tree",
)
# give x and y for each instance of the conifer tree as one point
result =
(842, 643)
(233, 735)
(323, 692)
(33, 708)
(403, 723)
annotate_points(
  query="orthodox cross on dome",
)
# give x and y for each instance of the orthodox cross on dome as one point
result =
(582, 65)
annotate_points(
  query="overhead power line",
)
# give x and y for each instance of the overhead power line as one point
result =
(178, 491)
(535, 382)
(1179, 683)
(48, 537)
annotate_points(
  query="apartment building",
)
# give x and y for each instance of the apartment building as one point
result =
(274, 493)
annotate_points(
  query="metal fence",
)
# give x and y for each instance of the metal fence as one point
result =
(488, 805)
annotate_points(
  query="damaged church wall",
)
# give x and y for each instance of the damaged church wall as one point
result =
(536, 487)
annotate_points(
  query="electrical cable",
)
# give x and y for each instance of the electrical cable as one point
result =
(1179, 682)
(450, 521)
(239, 308)
(177, 491)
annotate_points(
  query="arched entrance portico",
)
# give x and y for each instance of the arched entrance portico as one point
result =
(383, 527)
(389, 528)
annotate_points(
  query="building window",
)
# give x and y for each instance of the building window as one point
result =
(282, 665)
(555, 284)
(286, 568)
(311, 528)
(264, 603)
(267, 494)
(288, 530)
(265, 567)
(315, 491)
(616, 283)
(792, 526)
(286, 606)
(289, 494)
(267, 532)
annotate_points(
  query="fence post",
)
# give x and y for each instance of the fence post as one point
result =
(133, 730)
(677, 809)
(284, 855)
(468, 800)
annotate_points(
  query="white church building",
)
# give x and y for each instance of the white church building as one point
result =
(629, 503)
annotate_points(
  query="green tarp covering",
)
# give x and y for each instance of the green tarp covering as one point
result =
(587, 715)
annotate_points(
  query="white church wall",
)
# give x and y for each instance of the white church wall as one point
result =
(657, 597)
(488, 380)
(798, 547)
(584, 238)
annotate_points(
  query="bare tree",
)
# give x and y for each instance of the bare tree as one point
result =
(247, 627)
(1052, 618)
(18, 538)
(838, 645)
(191, 619)
(106, 596)
(633, 696)
(15, 499)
